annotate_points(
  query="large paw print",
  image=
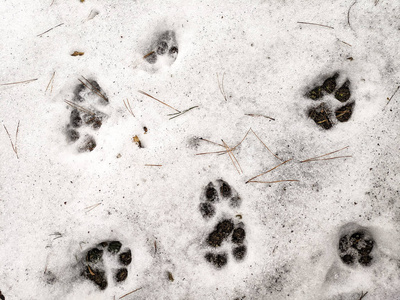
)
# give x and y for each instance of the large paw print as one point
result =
(85, 117)
(356, 247)
(227, 230)
(323, 113)
(97, 262)
(164, 48)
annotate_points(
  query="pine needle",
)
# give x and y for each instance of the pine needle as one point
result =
(232, 155)
(40, 35)
(348, 14)
(308, 23)
(175, 115)
(285, 180)
(14, 147)
(221, 86)
(93, 89)
(149, 165)
(81, 108)
(212, 142)
(128, 107)
(89, 208)
(259, 115)
(265, 145)
(317, 157)
(363, 295)
(50, 82)
(250, 180)
(144, 93)
(389, 99)
(18, 82)
(130, 293)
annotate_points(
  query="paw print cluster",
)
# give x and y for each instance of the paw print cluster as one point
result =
(96, 271)
(356, 247)
(85, 117)
(329, 112)
(227, 229)
(164, 46)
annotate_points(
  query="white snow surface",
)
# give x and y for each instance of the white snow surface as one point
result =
(268, 62)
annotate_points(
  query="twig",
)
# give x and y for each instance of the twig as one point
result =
(14, 147)
(259, 115)
(308, 23)
(155, 247)
(149, 165)
(92, 207)
(50, 29)
(50, 82)
(94, 89)
(344, 156)
(232, 155)
(317, 157)
(130, 293)
(345, 43)
(19, 82)
(79, 107)
(250, 180)
(389, 99)
(348, 15)
(128, 107)
(221, 86)
(285, 180)
(175, 115)
(144, 93)
(363, 295)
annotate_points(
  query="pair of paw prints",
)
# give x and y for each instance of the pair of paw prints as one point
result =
(95, 268)
(227, 230)
(164, 48)
(85, 117)
(323, 113)
(356, 247)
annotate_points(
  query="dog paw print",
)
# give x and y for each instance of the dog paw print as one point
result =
(356, 247)
(228, 234)
(164, 49)
(105, 260)
(85, 117)
(335, 107)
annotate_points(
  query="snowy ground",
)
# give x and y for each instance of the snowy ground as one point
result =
(57, 203)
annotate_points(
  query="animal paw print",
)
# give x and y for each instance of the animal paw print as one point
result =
(356, 246)
(95, 267)
(323, 113)
(227, 230)
(164, 48)
(85, 117)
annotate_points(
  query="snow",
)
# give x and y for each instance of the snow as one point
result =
(57, 203)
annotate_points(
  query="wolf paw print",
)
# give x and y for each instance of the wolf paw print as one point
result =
(85, 117)
(164, 48)
(105, 260)
(228, 233)
(339, 104)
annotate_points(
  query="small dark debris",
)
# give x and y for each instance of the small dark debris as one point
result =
(114, 247)
(320, 115)
(218, 260)
(239, 252)
(238, 235)
(77, 53)
(121, 274)
(343, 93)
(207, 210)
(170, 277)
(329, 84)
(94, 255)
(126, 257)
(344, 113)
(315, 93)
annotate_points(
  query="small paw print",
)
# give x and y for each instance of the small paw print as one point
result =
(165, 48)
(322, 114)
(85, 117)
(356, 247)
(94, 268)
(228, 230)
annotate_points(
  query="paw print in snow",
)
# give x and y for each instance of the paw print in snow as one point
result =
(323, 113)
(227, 230)
(164, 48)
